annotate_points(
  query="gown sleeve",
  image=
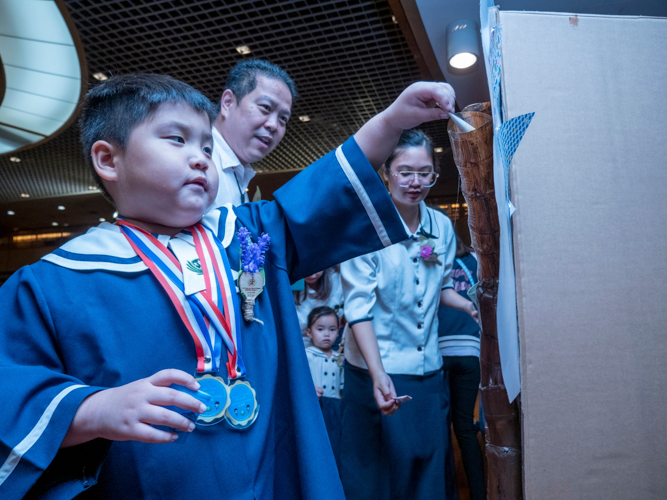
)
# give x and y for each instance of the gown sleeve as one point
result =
(39, 400)
(334, 210)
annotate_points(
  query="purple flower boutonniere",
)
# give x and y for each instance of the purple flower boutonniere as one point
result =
(251, 280)
(426, 252)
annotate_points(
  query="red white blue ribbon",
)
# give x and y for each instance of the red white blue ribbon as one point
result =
(210, 316)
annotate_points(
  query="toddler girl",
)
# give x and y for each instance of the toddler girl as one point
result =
(327, 373)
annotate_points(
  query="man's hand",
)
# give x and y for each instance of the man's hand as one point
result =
(319, 391)
(384, 392)
(128, 412)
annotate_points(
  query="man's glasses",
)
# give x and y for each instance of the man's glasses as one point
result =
(406, 179)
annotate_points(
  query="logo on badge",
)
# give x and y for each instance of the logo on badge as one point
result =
(194, 266)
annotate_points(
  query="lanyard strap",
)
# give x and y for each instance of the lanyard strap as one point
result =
(239, 186)
(466, 270)
(201, 313)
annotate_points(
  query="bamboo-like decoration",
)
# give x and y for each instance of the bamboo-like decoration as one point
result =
(473, 155)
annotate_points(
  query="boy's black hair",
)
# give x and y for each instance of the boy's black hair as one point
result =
(112, 109)
(318, 312)
(413, 138)
(242, 79)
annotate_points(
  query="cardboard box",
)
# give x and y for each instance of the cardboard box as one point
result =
(589, 182)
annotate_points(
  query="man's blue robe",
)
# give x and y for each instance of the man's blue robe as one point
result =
(91, 316)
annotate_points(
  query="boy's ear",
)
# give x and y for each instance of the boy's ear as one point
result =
(103, 155)
(308, 333)
(227, 100)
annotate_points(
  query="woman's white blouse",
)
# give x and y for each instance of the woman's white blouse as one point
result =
(400, 292)
(325, 372)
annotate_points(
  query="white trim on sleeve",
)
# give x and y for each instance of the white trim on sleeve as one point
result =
(24, 446)
(363, 197)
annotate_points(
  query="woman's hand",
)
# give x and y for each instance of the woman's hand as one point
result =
(384, 392)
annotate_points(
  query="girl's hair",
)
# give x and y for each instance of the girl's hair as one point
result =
(462, 248)
(322, 288)
(412, 139)
(318, 312)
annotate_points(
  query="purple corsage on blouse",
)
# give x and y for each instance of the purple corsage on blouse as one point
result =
(426, 249)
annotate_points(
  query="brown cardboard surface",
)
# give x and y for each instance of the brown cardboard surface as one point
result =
(589, 182)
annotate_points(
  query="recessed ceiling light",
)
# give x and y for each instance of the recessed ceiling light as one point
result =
(54, 223)
(25, 195)
(243, 50)
(115, 215)
(15, 159)
(304, 118)
(102, 219)
(60, 207)
(100, 76)
(10, 212)
(437, 150)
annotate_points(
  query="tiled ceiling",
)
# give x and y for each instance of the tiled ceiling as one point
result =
(349, 60)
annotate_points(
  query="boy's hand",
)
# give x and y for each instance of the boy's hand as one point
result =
(319, 391)
(129, 411)
(419, 103)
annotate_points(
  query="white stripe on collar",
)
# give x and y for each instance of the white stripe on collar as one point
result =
(104, 248)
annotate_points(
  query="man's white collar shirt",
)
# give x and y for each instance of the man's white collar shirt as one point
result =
(400, 292)
(230, 170)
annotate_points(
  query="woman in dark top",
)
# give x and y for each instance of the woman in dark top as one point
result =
(459, 340)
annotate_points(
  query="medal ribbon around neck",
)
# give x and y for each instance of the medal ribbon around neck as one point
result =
(208, 315)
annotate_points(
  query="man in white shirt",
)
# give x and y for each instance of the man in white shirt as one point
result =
(254, 110)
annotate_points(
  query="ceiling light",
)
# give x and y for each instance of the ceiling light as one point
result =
(102, 219)
(462, 43)
(304, 118)
(25, 195)
(15, 159)
(60, 207)
(54, 223)
(243, 50)
(10, 212)
(437, 150)
(100, 76)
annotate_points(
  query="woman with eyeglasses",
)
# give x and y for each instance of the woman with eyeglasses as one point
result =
(394, 447)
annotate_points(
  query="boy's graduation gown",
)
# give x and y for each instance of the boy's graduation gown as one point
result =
(90, 316)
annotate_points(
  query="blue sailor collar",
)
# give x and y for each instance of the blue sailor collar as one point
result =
(104, 248)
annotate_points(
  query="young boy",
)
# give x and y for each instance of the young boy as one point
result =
(96, 333)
